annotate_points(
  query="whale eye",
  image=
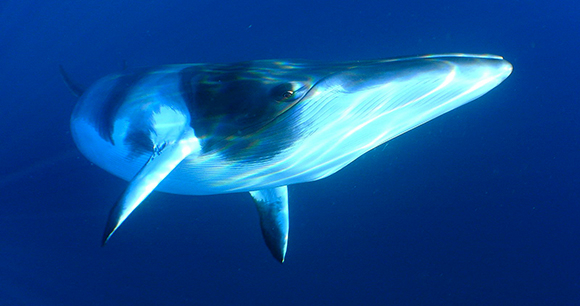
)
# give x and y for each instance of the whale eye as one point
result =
(283, 92)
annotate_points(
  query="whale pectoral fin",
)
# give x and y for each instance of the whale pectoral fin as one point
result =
(160, 164)
(73, 86)
(272, 207)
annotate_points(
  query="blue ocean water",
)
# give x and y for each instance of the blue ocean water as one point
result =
(478, 207)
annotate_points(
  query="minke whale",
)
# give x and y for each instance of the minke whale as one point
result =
(259, 126)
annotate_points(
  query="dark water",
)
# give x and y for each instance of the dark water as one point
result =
(478, 207)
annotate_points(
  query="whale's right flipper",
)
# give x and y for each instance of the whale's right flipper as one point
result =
(272, 204)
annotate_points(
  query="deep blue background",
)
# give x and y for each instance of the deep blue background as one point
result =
(478, 207)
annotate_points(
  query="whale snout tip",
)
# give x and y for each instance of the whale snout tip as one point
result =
(506, 68)
(502, 66)
(495, 66)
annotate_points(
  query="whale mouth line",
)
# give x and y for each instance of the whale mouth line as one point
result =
(259, 126)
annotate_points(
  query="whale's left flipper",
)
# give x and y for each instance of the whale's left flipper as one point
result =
(272, 204)
(73, 86)
(160, 164)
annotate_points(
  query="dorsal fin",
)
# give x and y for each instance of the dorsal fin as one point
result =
(73, 86)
